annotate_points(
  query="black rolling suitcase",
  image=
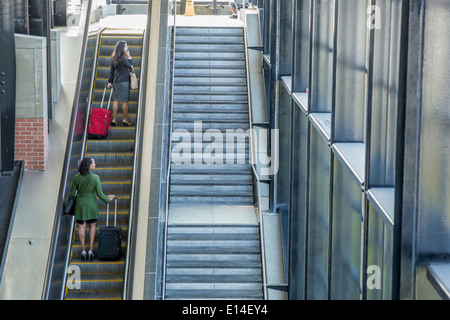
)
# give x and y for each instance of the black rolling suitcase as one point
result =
(109, 239)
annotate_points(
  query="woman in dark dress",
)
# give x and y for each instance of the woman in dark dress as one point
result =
(119, 79)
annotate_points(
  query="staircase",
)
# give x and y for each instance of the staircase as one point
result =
(210, 96)
(114, 158)
(209, 260)
(213, 262)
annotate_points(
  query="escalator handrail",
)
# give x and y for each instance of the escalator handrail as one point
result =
(135, 182)
(163, 294)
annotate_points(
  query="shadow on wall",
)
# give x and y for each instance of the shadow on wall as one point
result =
(10, 188)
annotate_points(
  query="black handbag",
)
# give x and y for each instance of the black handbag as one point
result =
(69, 205)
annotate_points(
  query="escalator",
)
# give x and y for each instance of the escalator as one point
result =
(114, 157)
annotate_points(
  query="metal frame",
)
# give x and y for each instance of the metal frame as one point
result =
(7, 89)
(425, 231)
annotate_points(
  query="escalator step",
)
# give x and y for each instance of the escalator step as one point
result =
(94, 295)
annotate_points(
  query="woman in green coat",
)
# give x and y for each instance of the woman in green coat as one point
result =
(87, 186)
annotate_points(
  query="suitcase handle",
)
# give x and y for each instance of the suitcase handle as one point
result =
(103, 98)
(115, 213)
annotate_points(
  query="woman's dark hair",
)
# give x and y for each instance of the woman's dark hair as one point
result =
(118, 51)
(85, 166)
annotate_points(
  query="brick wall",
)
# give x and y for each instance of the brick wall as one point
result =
(31, 143)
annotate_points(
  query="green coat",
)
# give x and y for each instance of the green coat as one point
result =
(89, 188)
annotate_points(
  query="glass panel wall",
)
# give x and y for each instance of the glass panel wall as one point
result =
(339, 103)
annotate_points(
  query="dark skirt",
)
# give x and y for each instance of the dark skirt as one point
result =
(121, 91)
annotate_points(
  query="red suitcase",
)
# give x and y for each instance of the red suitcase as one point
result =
(100, 119)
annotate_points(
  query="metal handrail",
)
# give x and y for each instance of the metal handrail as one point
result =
(169, 165)
(136, 164)
(257, 180)
(12, 218)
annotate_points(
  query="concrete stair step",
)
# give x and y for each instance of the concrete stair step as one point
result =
(213, 200)
(222, 126)
(202, 38)
(188, 294)
(214, 278)
(210, 47)
(234, 87)
(211, 168)
(190, 78)
(244, 286)
(208, 72)
(243, 107)
(199, 115)
(212, 189)
(211, 31)
(209, 179)
(210, 64)
(213, 248)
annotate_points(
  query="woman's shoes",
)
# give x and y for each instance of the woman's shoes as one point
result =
(87, 255)
(91, 255)
(124, 122)
(127, 123)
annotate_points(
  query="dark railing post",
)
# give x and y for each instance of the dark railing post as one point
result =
(40, 22)
(7, 86)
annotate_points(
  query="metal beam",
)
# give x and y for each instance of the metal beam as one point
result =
(60, 12)
(7, 86)
(21, 16)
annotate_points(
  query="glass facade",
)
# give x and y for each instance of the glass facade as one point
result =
(356, 89)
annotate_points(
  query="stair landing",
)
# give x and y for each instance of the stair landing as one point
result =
(211, 214)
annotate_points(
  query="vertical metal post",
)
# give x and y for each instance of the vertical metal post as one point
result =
(21, 16)
(60, 12)
(406, 215)
(400, 149)
(214, 7)
(40, 21)
(274, 87)
(7, 86)
(368, 142)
